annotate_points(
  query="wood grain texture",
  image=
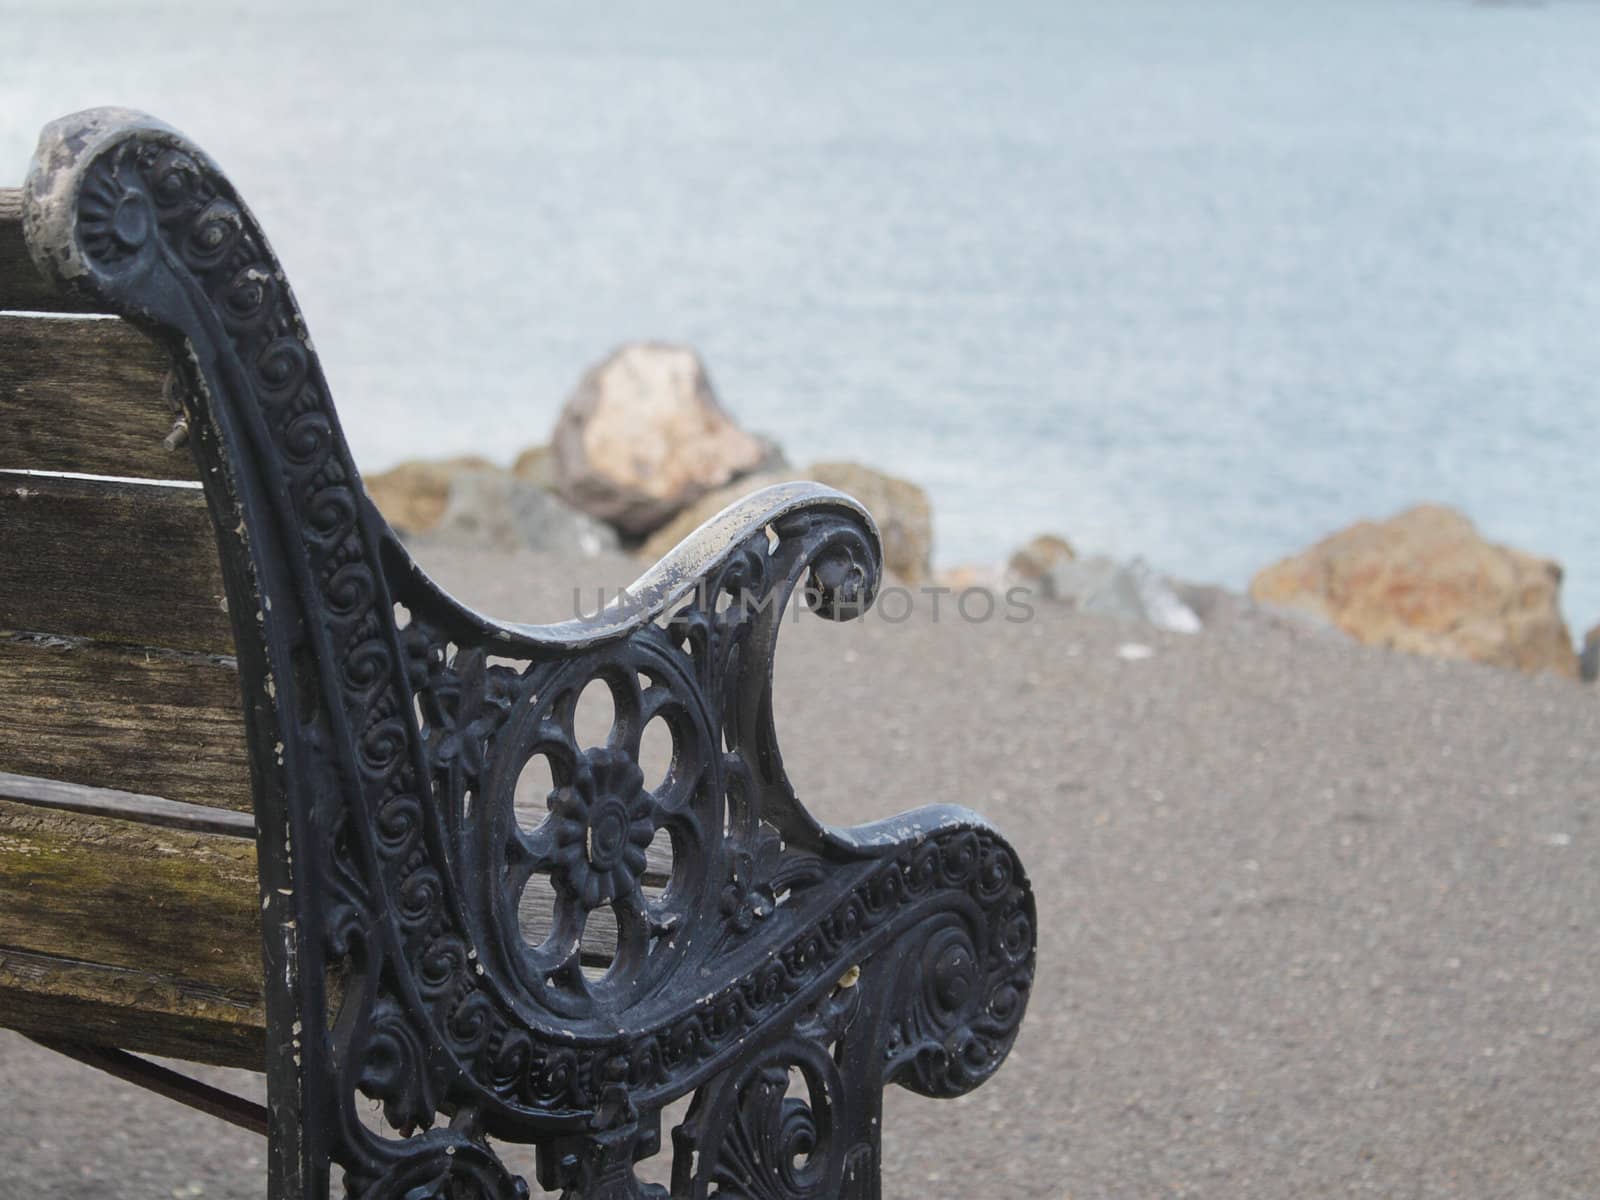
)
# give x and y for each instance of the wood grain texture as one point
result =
(146, 937)
(125, 806)
(85, 394)
(137, 918)
(21, 285)
(130, 563)
(51, 996)
(128, 894)
(146, 721)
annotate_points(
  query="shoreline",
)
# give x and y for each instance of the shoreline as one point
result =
(643, 453)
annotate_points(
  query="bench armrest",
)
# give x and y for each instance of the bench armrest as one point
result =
(839, 588)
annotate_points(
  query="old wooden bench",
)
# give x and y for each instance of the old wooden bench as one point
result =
(259, 777)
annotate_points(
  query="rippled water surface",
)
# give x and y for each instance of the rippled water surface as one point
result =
(1201, 282)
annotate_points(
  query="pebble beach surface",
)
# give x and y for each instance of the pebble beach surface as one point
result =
(1315, 919)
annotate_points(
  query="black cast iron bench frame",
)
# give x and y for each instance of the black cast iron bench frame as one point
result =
(387, 724)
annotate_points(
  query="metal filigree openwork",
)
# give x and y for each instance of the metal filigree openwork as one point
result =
(783, 972)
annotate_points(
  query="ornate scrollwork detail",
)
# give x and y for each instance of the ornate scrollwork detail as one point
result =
(761, 870)
(463, 701)
(782, 1127)
(392, 1069)
(401, 742)
(599, 1164)
(440, 1167)
(958, 1005)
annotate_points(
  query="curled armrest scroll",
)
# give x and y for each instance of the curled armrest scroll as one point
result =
(843, 583)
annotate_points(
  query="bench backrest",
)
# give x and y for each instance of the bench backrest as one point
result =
(128, 907)
(127, 862)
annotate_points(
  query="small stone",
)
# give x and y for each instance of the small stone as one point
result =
(412, 496)
(1589, 656)
(1038, 557)
(493, 508)
(1131, 592)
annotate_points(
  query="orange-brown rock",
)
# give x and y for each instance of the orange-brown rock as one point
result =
(412, 496)
(1427, 582)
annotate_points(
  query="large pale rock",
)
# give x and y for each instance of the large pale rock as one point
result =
(1426, 582)
(495, 509)
(900, 508)
(643, 436)
(412, 496)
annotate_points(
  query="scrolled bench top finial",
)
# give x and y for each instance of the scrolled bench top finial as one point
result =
(67, 147)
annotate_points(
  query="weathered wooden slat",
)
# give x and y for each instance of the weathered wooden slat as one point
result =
(128, 894)
(21, 285)
(85, 394)
(126, 806)
(145, 936)
(51, 996)
(131, 563)
(147, 721)
(534, 918)
(110, 920)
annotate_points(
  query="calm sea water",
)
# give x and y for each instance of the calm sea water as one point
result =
(1201, 282)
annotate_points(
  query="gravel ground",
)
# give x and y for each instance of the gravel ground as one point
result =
(1315, 919)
